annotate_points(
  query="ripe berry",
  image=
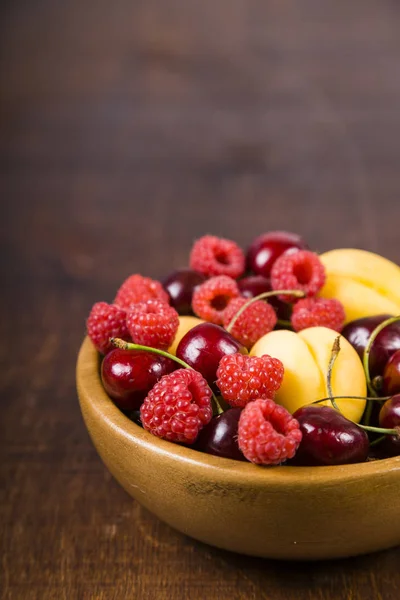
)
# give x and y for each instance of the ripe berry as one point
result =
(389, 417)
(152, 323)
(391, 375)
(212, 297)
(220, 436)
(267, 433)
(180, 286)
(314, 312)
(245, 378)
(300, 270)
(267, 247)
(329, 438)
(139, 289)
(106, 321)
(129, 375)
(178, 407)
(212, 256)
(255, 321)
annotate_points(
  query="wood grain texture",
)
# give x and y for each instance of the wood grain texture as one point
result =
(126, 130)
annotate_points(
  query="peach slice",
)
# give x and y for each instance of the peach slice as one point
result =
(305, 357)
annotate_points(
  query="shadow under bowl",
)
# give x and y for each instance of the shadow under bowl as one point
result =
(282, 512)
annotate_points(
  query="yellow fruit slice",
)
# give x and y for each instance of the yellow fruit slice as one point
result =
(347, 375)
(367, 268)
(305, 357)
(358, 299)
(302, 380)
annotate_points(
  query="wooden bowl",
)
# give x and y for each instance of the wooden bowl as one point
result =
(274, 512)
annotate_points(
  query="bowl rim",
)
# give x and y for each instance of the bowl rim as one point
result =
(91, 391)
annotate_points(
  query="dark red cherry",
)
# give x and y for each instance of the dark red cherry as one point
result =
(328, 438)
(203, 347)
(180, 286)
(129, 375)
(257, 284)
(390, 417)
(266, 248)
(391, 375)
(254, 285)
(386, 343)
(219, 437)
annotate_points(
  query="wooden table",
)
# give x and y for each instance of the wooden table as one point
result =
(129, 128)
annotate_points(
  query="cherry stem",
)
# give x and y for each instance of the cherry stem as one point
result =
(395, 431)
(377, 441)
(334, 354)
(366, 355)
(284, 323)
(296, 293)
(374, 399)
(123, 345)
(383, 430)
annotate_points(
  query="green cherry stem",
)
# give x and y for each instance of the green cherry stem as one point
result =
(366, 356)
(377, 441)
(118, 343)
(296, 293)
(334, 354)
(374, 399)
(395, 431)
(284, 323)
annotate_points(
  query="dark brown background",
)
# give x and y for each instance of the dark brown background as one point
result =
(127, 129)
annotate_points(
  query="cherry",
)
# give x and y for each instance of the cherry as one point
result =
(391, 375)
(266, 248)
(257, 284)
(390, 417)
(328, 438)
(128, 375)
(387, 341)
(219, 437)
(203, 347)
(180, 286)
(254, 285)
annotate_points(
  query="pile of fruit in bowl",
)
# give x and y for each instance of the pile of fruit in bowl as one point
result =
(279, 356)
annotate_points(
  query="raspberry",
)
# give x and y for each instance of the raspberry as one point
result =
(139, 289)
(267, 433)
(178, 406)
(300, 270)
(211, 298)
(211, 256)
(242, 378)
(313, 312)
(255, 321)
(106, 321)
(152, 323)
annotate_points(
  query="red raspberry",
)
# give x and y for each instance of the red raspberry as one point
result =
(106, 321)
(211, 298)
(313, 312)
(139, 289)
(267, 433)
(255, 321)
(242, 378)
(152, 323)
(211, 256)
(178, 406)
(301, 270)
